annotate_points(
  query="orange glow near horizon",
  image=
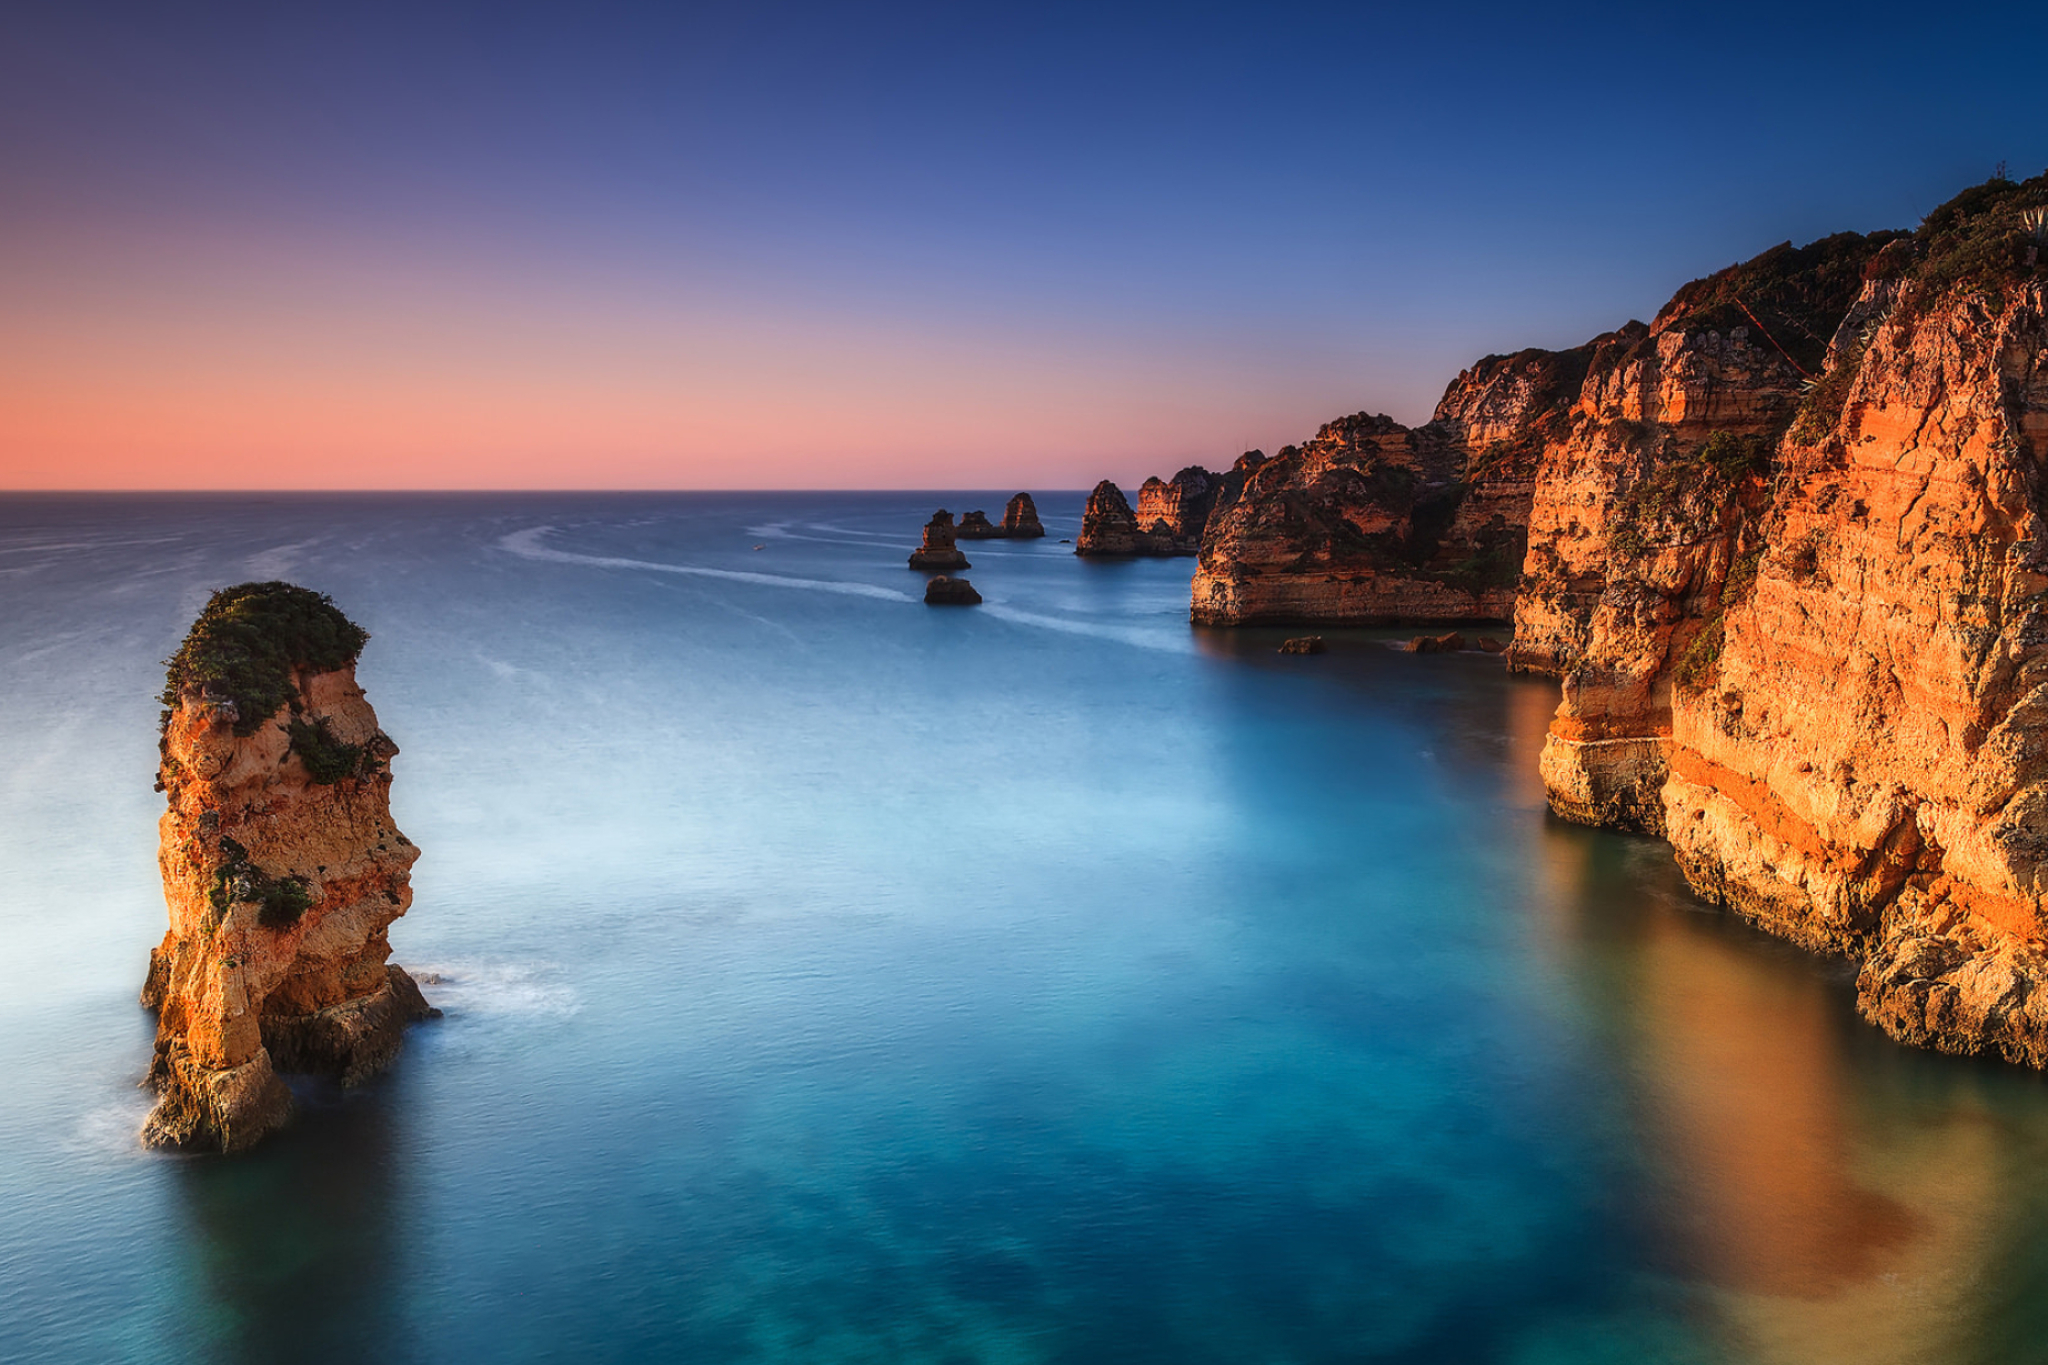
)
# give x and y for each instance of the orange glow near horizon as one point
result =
(218, 369)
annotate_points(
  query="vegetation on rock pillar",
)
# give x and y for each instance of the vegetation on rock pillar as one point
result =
(249, 639)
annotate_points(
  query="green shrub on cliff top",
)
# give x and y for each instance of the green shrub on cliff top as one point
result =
(248, 640)
(1979, 240)
(1798, 296)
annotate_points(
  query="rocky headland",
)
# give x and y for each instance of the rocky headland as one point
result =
(1786, 548)
(282, 871)
(1371, 522)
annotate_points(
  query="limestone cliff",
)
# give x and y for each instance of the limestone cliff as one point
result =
(1860, 761)
(1652, 509)
(1787, 549)
(1818, 664)
(1374, 522)
(282, 871)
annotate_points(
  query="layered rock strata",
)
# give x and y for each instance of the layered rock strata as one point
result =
(1787, 549)
(282, 870)
(1812, 660)
(937, 551)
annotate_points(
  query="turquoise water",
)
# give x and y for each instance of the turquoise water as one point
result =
(830, 978)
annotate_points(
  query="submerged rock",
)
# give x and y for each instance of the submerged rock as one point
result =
(282, 871)
(950, 592)
(1449, 643)
(1304, 644)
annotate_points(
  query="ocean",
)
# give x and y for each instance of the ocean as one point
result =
(830, 978)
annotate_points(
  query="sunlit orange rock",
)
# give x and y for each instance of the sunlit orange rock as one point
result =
(282, 872)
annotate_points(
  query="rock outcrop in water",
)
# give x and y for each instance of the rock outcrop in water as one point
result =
(1020, 519)
(977, 526)
(282, 871)
(944, 591)
(1020, 522)
(1787, 548)
(937, 550)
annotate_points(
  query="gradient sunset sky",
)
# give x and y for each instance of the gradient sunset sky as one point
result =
(947, 246)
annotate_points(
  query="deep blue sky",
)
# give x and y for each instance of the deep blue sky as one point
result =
(794, 244)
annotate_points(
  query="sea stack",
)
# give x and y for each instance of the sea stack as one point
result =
(1108, 527)
(950, 592)
(282, 870)
(1020, 519)
(938, 550)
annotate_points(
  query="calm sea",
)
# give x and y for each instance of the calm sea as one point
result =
(831, 978)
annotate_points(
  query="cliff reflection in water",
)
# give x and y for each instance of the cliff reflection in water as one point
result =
(1832, 1193)
(298, 1251)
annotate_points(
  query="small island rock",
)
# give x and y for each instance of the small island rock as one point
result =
(938, 550)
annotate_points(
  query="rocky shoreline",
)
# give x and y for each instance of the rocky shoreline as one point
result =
(1786, 549)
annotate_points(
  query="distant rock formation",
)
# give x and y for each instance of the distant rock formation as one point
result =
(1020, 518)
(1171, 513)
(1020, 522)
(282, 870)
(950, 592)
(938, 550)
(1449, 643)
(977, 526)
(1375, 523)
(1108, 526)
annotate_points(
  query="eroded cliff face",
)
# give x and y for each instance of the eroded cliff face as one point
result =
(1785, 549)
(1650, 510)
(283, 874)
(1374, 522)
(1864, 766)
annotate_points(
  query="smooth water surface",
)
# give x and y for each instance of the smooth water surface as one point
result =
(832, 978)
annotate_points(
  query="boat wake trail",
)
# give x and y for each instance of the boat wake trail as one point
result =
(527, 545)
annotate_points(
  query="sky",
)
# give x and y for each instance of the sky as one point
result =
(769, 245)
